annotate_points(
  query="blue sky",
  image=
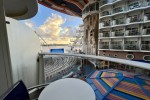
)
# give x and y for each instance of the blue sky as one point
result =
(47, 19)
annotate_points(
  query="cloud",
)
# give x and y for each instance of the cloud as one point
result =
(30, 24)
(52, 30)
(52, 25)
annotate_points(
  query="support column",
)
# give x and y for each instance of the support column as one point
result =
(41, 78)
(5, 62)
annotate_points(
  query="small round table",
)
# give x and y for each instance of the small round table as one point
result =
(68, 89)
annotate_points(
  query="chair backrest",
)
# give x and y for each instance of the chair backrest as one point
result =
(16, 92)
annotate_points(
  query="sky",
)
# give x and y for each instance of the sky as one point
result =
(54, 27)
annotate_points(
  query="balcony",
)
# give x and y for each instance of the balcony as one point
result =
(131, 47)
(148, 2)
(104, 46)
(134, 5)
(118, 22)
(118, 34)
(104, 34)
(132, 33)
(134, 19)
(105, 13)
(116, 46)
(145, 47)
(117, 10)
(147, 17)
(146, 31)
(107, 23)
(105, 2)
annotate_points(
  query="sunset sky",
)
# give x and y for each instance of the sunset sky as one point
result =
(54, 27)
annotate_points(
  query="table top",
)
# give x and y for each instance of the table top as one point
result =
(68, 89)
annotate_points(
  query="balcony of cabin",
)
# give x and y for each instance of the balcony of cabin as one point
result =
(105, 2)
(105, 13)
(133, 32)
(147, 17)
(104, 45)
(148, 2)
(118, 21)
(120, 33)
(134, 5)
(106, 23)
(146, 31)
(104, 34)
(118, 10)
(131, 45)
(116, 46)
(133, 19)
(145, 47)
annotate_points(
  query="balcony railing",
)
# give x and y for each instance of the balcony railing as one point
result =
(145, 47)
(105, 24)
(117, 10)
(132, 33)
(119, 34)
(134, 5)
(131, 47)
(105, 2)
(106, 13)
(146, 31)
(134, 19)
(104, 35)
(148, 3)
(116, 46)
(147, 17)
(102, 46)
(118, 22)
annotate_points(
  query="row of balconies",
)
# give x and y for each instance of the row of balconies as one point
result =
(107, 1)
(132, 6)
(145, 47)
(125, 33)
(121, 21)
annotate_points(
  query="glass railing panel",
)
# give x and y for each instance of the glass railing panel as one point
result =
(105, 2)
(145, 47)
(117, 10)
(131, 47)
(148, 2)
(116, 46)
(146, 31)
(105, 13)
(105, 46)
(106, 23)
(147, 17)
(134, 5)
(119, 34)
(132, 33)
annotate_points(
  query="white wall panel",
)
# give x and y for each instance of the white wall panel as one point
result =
(24, 47)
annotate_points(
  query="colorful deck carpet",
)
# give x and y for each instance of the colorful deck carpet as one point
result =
(119, 85)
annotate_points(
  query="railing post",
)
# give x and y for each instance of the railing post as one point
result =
(41, 78)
